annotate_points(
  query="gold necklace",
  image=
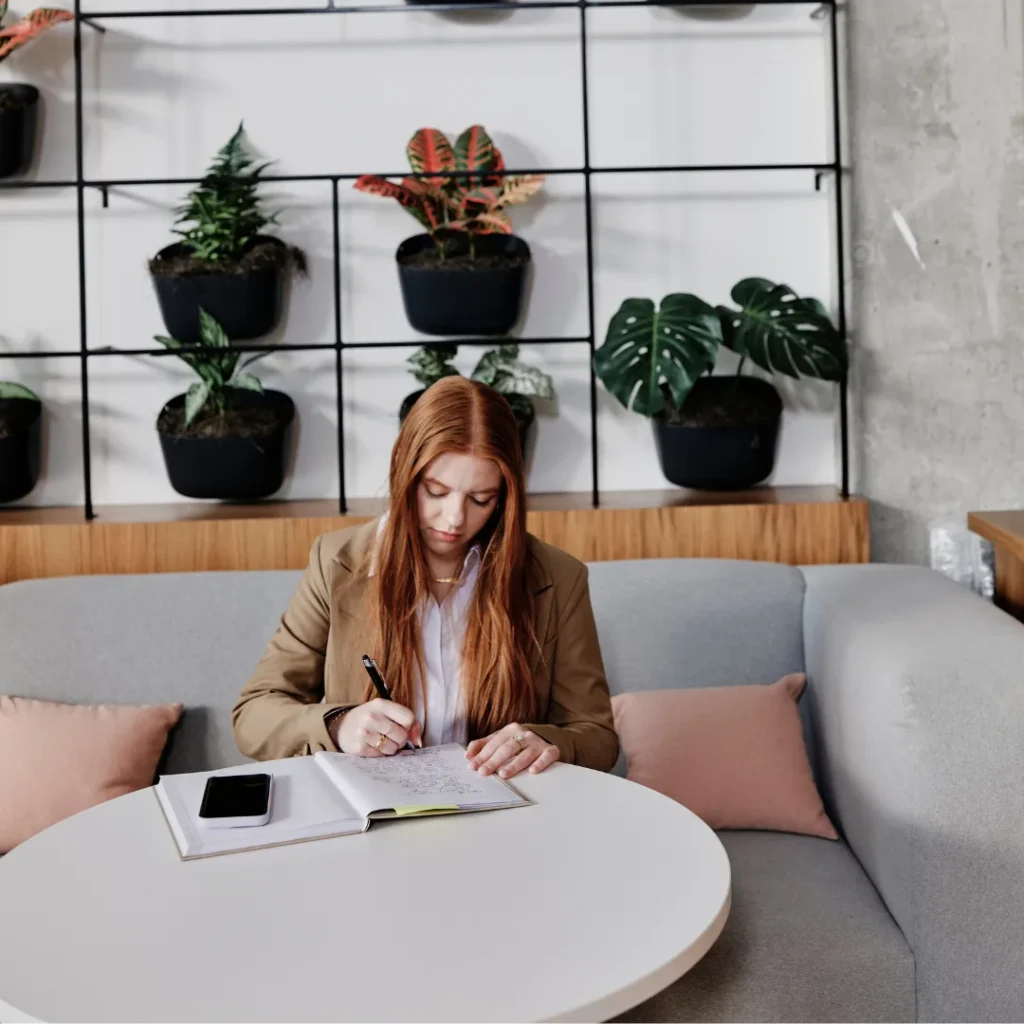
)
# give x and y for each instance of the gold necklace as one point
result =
(446, 579)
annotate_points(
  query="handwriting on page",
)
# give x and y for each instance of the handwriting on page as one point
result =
(429, 772)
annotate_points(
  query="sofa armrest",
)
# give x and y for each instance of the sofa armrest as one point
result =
(917, 706)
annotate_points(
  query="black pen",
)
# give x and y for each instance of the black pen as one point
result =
(373, 671)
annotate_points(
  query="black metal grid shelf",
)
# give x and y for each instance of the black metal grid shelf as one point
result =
(92, 19)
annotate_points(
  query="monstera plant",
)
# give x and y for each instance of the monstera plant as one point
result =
(226, 436)
(21, 415)
(499, 368)
(19, 104)
(466, 274)
(224, 263)
(716, 432)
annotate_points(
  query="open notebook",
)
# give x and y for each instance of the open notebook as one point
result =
(335, 795)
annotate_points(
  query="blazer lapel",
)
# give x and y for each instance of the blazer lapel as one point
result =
(544, 604)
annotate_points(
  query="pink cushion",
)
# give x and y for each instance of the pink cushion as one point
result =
(734, 755)
(59, 759)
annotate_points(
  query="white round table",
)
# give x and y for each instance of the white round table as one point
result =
(576, 908)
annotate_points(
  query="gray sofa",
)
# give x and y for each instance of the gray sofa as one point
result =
(914, 715)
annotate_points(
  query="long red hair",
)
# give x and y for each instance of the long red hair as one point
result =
(458, 415)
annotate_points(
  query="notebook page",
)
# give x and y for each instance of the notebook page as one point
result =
(304, 805)
(431, 779)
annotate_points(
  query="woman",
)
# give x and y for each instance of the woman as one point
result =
(484, 635)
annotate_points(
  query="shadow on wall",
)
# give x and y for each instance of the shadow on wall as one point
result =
(898, 535)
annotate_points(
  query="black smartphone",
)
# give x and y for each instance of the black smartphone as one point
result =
(236, 800)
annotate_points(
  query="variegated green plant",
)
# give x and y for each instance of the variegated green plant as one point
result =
(500, 368)
(11, 390)
(218, 371)
(503, 370)
(35, 24)
(456, 188)
(652, 357)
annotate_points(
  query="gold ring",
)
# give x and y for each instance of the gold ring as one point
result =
(383, 739)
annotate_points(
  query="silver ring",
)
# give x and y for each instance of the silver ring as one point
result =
(519, 737)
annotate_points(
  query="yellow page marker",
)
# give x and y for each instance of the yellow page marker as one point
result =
(409, 812)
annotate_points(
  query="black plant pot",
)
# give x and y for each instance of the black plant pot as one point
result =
(523, 409)
(722, 456)
(482, 299)
(246, 305)
(19, 116)
(21, 449)
(230, 468)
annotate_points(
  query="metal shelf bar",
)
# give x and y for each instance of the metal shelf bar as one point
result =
(249, 12)
(106, 183)
(83, 320)
(840, 246)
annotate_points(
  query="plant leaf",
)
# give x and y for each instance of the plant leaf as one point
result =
(781, 332)
(430, 153)
(248, 381)
(249, 360)
(432, 362)
(8, 389)
(195, 399)
(475, 151)
(211, 331)
(519, 189)
(422, 200)
(189, 358)
(648, 350)
(502, 369)
(38, 22)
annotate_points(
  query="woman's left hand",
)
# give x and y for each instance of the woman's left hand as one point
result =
(510, 751)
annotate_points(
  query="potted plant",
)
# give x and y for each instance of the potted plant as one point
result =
(467, 273)
(224, 262)
(225, 437)
(500, 368)
(21, 417)
(716, 432)
(19, 104)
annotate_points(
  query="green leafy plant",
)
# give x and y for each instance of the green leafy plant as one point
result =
(456, 190)
(224, 214)
(10, 390)
(500, 368)
(218, 371)
(35, 24)
(652, 357)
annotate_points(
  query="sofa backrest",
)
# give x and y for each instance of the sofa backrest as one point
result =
(684, 622)
(196, 637)
(148, 639)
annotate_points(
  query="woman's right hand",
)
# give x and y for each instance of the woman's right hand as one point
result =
(361, 728)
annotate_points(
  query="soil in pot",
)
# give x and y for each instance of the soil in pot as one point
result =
(522, 408)
(245, 297)
(19, 114)
(20, 446)
(724, 437)
(461, 293)
(235, 456)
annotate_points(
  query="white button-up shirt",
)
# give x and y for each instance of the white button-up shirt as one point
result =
(442, 631)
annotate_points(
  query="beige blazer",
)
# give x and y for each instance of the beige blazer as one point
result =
(312, 663)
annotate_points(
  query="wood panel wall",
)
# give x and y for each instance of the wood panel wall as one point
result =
(799, 526)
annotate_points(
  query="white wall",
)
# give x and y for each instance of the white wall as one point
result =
(339, 94)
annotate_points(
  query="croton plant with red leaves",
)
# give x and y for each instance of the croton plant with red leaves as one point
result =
(27, 29)
(456, 188)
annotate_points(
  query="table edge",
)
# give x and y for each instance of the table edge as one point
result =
(642, 989)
